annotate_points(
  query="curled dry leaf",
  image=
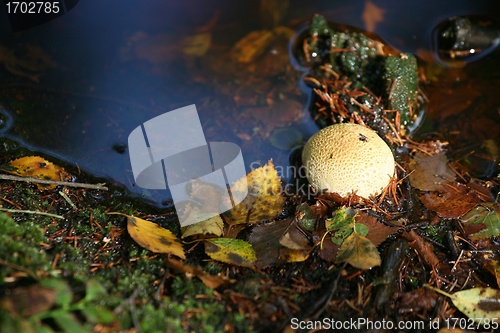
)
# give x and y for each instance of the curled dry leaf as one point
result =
(154, 238)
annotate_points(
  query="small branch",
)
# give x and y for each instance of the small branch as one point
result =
(30, 212)
(53, 182)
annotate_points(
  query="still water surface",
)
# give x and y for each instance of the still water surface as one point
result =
(106, 67)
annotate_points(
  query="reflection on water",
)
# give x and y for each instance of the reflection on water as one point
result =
(77, 86)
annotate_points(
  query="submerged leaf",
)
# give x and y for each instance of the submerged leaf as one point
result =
(428, 173)
(476, 303)
(358, 251)
(264, 200)
(36, 167)
(231, 251)
(212, 226)
(151, 236)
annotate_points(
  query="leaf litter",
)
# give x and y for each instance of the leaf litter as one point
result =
(301, 242)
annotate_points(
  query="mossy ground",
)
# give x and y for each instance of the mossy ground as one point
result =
(88, 243)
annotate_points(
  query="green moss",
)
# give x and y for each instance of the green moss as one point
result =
(401, 84)
(20, 247)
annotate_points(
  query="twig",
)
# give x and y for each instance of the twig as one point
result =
(53, 182)
(30, 212)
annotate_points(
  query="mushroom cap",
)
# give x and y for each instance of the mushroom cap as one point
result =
(348, 158)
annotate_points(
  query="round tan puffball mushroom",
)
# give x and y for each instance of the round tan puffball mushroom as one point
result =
(346, 159)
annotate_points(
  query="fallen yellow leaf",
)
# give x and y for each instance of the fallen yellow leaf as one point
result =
(151, 236)
(231, 251)
(264, 200)
(37, 167)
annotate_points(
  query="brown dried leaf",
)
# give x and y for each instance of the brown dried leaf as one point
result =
(428, 173)
(211, 281)
(294, 239)
(265, 239)
(378, 232)
(28, 301)
(452, 202)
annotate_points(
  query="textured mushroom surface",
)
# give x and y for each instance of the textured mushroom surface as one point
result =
(348, 158)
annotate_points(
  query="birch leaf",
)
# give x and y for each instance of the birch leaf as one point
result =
(476, 303)
(211, 226)
(358, 251)
(231, 251)
(154, 238)
(36, 167)
(264, 200)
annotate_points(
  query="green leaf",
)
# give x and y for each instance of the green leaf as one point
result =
(341, 217)
(231, 251)
(98, 314)
(94, 291)
(358, 251)
(67, 322)
(476, 303)
(361, 229)
(64, 295)
(488, 215)
(340, 235)
(307, 219)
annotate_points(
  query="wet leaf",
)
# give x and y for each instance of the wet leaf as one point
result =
(372, 15)
(482, 221)
(295, 239)
(264, 200)
(377, 231)
(36, 167)
(358, 251)
(476, 303)
(151, 236)
(340, 218)
(289, 255)
(231, 251)
(306, 217)
(197, 45)
(212, 226)
(341, 224)
(428, 173)
(454, 201)
(265, 239)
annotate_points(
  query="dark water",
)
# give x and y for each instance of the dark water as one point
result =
(112, 65)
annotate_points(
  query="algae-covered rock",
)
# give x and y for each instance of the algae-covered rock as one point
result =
(357, 78)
